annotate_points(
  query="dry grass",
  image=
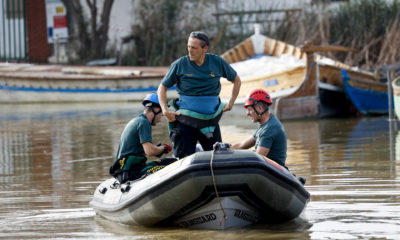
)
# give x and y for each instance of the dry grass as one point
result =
(369, 26)
(390, 49)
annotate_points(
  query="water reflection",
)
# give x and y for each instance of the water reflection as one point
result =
(351, 175)
(53, 156)
(297, 229)
(354, 182)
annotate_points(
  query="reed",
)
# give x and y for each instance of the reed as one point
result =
(369, 26)
(390, 50)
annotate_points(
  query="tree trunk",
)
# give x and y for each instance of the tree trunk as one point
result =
(92, 36)
(104, 24)
(78, 27)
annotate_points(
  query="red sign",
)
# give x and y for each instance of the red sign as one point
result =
(60, 21)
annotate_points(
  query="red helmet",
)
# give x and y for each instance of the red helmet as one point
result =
(255, 96)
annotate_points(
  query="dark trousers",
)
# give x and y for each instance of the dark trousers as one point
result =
(184, 139)
(137, 170)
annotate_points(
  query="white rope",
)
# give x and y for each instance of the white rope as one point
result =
(215, 188)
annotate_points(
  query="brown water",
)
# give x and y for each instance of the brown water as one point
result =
(52, 157)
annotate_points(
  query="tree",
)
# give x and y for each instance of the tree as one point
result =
(160, 33)
(90, 35)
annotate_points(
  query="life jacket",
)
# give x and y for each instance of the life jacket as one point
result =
(204, 122)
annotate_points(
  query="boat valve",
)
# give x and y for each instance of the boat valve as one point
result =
(103, 190)
(218, 146)
(126, 188)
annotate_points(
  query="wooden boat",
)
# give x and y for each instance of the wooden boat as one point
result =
(369, 97)
(50, 83)
(314, 89)
(396, 96)
(208, 190)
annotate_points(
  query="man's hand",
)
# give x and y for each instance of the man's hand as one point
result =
(170, 116)
(166, 148)
(227, 107)
(235, 92)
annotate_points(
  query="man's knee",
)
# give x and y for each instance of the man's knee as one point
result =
(183, 142)
(208, 143)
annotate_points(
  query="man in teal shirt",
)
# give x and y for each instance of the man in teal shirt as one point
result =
(269, 139)
(136, 144)
(197, 79)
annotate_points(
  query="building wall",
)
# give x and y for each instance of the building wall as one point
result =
(38, 48)
(121, 20)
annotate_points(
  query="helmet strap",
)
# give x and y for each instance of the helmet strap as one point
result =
(154, 114)
(259, 115)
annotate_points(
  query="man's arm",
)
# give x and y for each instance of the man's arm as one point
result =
(152, 150)
(162, 98)
(245, 144)
(262, 151)
(248, 143)
(235, 92)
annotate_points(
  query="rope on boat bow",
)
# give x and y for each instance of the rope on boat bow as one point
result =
(215, 147)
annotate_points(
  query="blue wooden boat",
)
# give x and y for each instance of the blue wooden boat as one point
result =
(370, 97)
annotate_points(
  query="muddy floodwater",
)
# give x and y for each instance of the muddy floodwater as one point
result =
(52, 157)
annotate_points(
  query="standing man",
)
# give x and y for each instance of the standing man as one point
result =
(270, 137)
(197, 79)
(136, 144)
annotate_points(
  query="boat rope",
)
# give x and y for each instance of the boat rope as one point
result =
(215, 188)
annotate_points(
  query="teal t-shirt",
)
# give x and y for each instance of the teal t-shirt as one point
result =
(193, 80)
(272, 135)
(136, 132)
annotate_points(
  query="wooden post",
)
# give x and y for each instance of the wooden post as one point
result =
(390, 93)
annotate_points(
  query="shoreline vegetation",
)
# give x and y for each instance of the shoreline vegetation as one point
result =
(158, 35)
(368, 26)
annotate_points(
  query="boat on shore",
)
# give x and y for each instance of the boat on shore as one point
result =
(311, 88)
(369, 97)
(217, 189)
(25, 83)
(396, 96)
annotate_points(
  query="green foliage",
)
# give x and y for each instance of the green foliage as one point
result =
(362, 18)
(362, 25)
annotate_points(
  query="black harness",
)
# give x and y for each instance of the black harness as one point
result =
(258, 114)
(155, 114)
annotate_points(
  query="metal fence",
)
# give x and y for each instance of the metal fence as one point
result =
(13, 35)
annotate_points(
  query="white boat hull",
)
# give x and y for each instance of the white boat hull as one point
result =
(52, 84)
(231, 213)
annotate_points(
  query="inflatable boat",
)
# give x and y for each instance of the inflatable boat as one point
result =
(216, 189)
